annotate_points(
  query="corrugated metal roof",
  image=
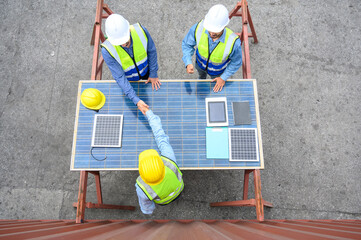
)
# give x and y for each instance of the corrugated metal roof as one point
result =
(181, 229)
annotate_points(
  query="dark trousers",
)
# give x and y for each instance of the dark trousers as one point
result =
(203, 74)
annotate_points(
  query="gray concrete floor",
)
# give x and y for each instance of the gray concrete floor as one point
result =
(307, 64)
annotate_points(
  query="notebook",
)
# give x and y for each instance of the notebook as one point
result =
(217, 142)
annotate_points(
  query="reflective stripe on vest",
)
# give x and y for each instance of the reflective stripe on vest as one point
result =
(216, 61)
(139, 64)
(166, 191)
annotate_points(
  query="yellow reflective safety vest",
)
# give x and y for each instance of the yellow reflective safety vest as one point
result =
(170, 187)
(135, 67)
(216, 61)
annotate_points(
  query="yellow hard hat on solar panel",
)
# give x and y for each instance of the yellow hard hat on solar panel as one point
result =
(92, 98)
(151, 167)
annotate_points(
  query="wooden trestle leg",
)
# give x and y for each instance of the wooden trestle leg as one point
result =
(257, 202)
(82, 204)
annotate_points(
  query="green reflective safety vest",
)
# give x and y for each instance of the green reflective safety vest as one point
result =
(216, 61)
(137, 66)
(169, 189)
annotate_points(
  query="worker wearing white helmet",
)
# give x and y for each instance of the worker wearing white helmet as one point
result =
(130, 54)
(218, 49)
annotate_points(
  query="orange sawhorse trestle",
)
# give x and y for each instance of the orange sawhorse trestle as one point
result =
(257, 201)
(82, 204)
(242, 10)
(102, 11)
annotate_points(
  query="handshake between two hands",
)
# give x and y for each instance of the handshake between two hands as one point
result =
(142, 106)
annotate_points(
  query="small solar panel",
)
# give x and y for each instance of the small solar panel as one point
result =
(107, 130)
(243, 144)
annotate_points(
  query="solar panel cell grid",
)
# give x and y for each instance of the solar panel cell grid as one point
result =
(181, 107)
(243, 144)
(107, 131)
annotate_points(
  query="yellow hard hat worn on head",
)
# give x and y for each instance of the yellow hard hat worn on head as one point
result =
(151, 167)
(92, 98)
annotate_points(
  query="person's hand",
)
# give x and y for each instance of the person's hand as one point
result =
(190, 69)
(142, 106)
(219, 84)
(155, 83)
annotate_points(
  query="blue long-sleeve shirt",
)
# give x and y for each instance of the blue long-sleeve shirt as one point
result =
(118, 72)
(166, 150)
(189, 42)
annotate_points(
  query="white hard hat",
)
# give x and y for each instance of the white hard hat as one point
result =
(117, 29)
(216, 19)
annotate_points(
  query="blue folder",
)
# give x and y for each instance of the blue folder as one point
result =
(217, 142)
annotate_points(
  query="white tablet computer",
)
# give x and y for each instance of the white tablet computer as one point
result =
(217, 113)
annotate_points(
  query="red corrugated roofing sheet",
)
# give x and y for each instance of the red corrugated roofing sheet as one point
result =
(181, 229)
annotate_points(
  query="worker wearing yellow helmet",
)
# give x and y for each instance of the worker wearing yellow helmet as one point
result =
(218, 49)
(160, 181)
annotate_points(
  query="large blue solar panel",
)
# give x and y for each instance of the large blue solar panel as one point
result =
(181, 107)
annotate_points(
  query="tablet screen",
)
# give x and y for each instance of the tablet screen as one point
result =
(217, 112)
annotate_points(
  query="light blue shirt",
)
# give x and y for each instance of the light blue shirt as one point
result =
(118, 72)
(189, 42)
(166, 150)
